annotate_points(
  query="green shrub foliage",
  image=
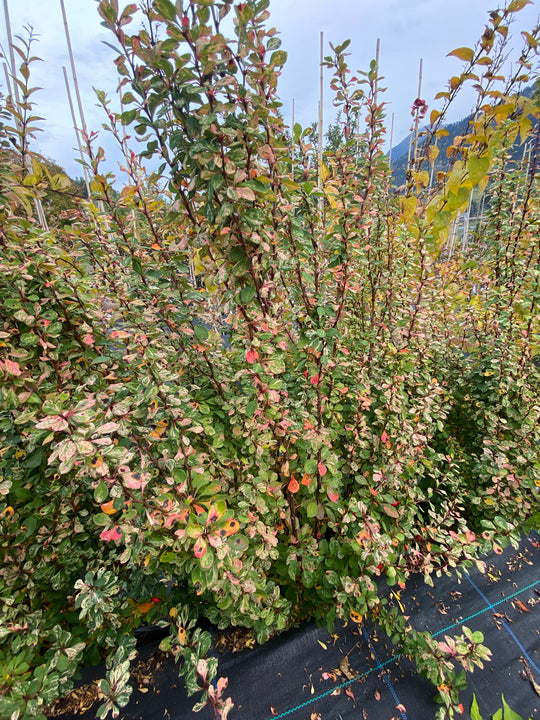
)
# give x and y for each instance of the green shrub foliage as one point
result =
(255, 387)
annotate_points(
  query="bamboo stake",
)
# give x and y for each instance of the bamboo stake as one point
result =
(75, 81)
(391, 141)
(465, 240)
(37, 202)
(320, 149)
(413, 138)
(377, 53)
(72, 63)
(70, 100)
(417, 119)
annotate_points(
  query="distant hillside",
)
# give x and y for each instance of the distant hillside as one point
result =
(400, 152)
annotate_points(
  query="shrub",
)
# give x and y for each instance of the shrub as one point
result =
(256, 388)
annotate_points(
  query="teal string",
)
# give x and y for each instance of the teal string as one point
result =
(381, 666)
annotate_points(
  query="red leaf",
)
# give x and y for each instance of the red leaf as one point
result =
(88, 339)
(112, 534)
(200, 547)
(314, 380)
(334, 497)
(293, 485)
(12, 367)
(385, 437)
(252, 356)
(322, 469)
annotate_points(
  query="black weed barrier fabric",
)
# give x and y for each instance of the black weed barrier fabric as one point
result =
(355, 673)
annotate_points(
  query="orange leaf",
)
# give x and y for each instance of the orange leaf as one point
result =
(145, 607)
(228, 528)
(252, 356)
(108, 508)
(293, 485)
(306, 479)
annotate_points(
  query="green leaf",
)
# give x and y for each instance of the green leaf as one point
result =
(128, 117)
(278, 58)
(136, 264)
(247, 294)
(102, 520)
(165, 8)
(101, 493)
(478, 168)
(509, 714)
(201, 332)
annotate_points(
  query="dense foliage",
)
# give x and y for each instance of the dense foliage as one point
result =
(256, 388)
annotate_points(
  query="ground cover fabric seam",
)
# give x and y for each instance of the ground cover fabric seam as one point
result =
(505, 625)
(381, 666)
(385, 674)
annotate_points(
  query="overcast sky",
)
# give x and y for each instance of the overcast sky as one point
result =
(408, 30)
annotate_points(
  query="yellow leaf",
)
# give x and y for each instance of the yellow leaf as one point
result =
(421, 179)
(435, 115)
(324, 647)
(463, 53)
(433, 152)
(525, 127)
(517, 5)
(160, 428)
(324, 171)
(408, 208)
(455, 178)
